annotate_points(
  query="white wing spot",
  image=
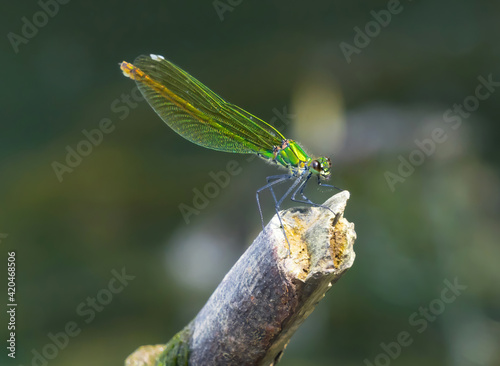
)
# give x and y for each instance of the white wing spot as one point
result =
(157, 57)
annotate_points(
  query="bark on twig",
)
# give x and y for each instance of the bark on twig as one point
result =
(268, 293)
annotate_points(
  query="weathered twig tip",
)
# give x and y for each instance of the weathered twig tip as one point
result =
(269, 292)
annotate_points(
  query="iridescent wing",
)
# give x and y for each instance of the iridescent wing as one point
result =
(197, 113)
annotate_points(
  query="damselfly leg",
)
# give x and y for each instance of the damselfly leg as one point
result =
(300, 190)
(297, 187)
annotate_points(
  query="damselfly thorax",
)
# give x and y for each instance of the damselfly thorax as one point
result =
(292, 157)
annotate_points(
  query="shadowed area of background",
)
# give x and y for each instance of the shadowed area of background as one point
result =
(424, 181)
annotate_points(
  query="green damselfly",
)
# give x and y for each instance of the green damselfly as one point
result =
(199, 115)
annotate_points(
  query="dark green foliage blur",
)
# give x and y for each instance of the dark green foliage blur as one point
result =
(94, 187)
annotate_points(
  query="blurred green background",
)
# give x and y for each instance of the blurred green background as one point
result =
(118, 208)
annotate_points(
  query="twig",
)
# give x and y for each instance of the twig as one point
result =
(268, 293)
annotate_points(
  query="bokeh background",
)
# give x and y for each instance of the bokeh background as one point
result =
(118, 208)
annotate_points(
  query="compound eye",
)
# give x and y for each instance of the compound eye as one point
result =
(329, 162)
(316, 165)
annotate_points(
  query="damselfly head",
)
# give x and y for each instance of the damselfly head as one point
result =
(322, 167)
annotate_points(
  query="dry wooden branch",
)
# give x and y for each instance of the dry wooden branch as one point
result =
(268, 293)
